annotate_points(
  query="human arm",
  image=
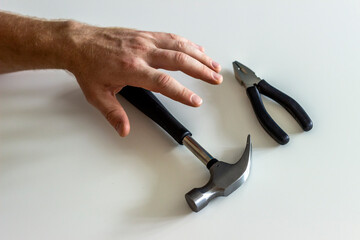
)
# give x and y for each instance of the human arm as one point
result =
(104, 60)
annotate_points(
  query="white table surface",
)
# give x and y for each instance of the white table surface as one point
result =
(65, 173)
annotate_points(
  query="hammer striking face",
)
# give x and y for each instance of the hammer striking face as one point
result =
(225, 178)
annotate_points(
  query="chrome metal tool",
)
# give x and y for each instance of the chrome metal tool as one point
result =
(254, 86)
(224, 177)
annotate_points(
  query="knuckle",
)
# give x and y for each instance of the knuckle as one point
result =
(183, 92)
(163, 81)
(130, 64)
(181, 58)
(173, 36)
(180, 45)
(140, 43)
(147, 36)
(165, 54)
(137, 39)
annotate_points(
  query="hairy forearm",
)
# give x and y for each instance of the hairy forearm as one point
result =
(31, 43)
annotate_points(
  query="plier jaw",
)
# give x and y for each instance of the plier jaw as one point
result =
(245, 75)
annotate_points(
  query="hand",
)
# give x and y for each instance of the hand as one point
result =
(104, 60)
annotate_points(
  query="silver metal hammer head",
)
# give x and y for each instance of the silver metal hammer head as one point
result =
(225, 178)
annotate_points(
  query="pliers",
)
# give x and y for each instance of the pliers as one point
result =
(254, 86)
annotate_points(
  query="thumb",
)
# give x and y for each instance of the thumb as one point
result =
(113, 112)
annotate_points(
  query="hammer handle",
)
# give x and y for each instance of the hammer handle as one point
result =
(147, 103)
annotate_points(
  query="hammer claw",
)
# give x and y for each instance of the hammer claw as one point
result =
(225, 179)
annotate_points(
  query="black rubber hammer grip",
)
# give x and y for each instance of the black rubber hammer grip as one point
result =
(147, 103)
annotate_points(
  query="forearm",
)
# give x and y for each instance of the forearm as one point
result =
(30, 43)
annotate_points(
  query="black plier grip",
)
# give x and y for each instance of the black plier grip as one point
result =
(254, 86)
(284, 100)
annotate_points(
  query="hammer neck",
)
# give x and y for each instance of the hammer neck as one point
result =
(197, 150)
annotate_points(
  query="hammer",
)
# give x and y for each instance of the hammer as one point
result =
(224, 177)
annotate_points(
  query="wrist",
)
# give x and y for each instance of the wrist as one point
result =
(72, 36)
(62, 47)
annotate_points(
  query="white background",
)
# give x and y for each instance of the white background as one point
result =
(65, 173)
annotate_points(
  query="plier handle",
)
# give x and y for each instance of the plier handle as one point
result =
(254, 86)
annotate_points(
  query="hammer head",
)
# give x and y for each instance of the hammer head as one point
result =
(225, 178)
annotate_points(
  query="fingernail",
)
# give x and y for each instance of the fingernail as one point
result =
(196, 100)
(215, 64)
(217, 77)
